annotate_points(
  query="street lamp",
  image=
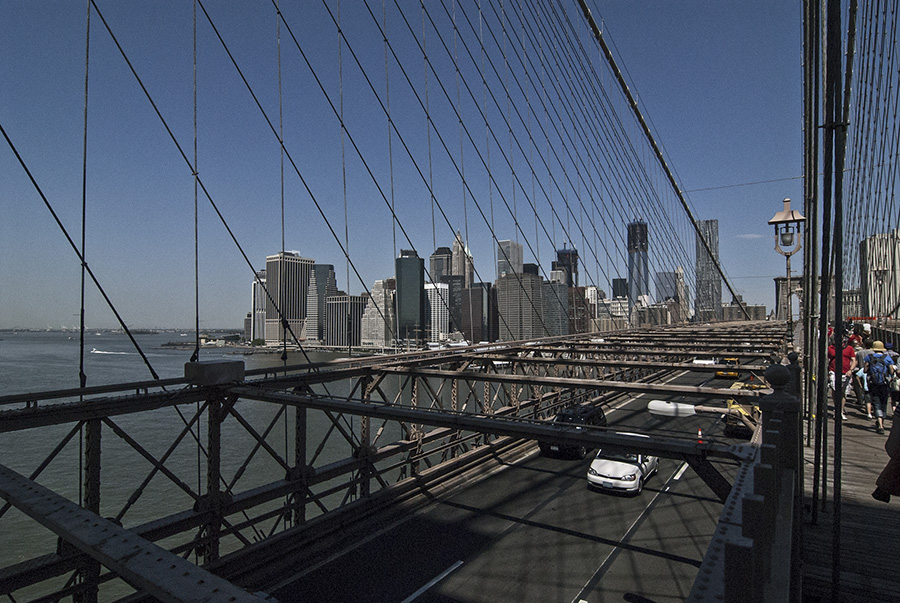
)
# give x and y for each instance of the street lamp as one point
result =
(787, 229)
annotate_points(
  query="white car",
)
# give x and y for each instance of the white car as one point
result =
(624, 471)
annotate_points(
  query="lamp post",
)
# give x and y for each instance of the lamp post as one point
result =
(787, 231)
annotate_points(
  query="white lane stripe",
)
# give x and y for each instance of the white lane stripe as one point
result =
(437, 579)
(681, 471)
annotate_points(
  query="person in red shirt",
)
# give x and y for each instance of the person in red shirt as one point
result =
(846, 369)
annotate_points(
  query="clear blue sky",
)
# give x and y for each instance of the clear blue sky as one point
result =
(719, 81)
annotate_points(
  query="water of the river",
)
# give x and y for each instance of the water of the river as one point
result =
(41, 361)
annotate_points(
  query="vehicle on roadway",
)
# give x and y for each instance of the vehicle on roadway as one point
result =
(581, 415)
(622, 471)
(728, 374)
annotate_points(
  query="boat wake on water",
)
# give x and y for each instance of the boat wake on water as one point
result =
(96, 351)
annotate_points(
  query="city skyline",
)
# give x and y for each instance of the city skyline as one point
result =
(140, 211)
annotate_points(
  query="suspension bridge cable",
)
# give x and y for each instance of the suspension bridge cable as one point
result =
(74, 247)
(625, 90)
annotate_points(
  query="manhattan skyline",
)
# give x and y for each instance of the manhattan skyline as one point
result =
(140, 195)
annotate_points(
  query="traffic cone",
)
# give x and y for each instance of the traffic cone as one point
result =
(699, 436)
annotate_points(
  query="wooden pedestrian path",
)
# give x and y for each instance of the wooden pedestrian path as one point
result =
(870, 530)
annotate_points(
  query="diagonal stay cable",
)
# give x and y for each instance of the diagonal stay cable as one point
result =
(65, 232)
(192, 167)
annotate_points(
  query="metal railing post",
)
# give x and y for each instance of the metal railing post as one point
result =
(90, 573)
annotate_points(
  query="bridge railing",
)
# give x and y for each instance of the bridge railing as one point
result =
(754, 555)
(215, 465)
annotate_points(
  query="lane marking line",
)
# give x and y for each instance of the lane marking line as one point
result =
(434, 581)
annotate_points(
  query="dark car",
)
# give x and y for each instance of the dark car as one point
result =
(583, 414)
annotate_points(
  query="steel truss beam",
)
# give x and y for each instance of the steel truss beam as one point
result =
(595, 384)
(145, 566)
(508, 426)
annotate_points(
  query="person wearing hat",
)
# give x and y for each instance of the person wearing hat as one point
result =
(879, 369)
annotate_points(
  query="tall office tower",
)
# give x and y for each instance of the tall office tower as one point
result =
(593, 295)
(322, 283)
(343, 319)
(620, 287)
(438, 311)
(461, 261)
(440, 264)
(479, 313)
(581, 310)
(287, 279)
(556, 309)
(665, 286)
(708, 301)
(520, 305)
(378, 321)
(455, 284)
(567, 259)
(638, 264)
(258, 301)
(409, 299)
(509, 257)
(879, 270)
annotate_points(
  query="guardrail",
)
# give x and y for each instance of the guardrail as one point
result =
(755, 553)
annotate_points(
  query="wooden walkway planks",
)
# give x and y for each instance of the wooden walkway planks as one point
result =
(870, 530)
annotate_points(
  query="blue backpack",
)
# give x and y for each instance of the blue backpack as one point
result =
(878, 369)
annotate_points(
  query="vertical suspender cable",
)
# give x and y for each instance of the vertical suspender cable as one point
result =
(344, 172)
(671, 178)
(487, 135)
(196, 355)
(82, 376)
(282, 262)
(387, 95)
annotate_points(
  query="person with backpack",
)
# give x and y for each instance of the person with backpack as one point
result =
(895, 384)
(879, 370)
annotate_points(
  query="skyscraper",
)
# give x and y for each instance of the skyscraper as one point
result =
(479, 313)
(409, 298)
(378, 320)
(322, 283)
(287, 279)
(620, 287)
(258, 303)
(440, 264)
(567, 259)
(638, 263)
(708, 300)
(509, 257)
(437, 303)
(555, 315)
(343, 319)
(461, 260)
(520, 306)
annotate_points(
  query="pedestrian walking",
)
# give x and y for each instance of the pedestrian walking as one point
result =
(847, 365)
(895, 382)
(888, 482)
(860, 387)
(879, 370)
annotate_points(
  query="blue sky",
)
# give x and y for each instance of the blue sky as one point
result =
(720, 83)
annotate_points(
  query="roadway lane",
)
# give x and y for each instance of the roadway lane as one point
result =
(534, 532)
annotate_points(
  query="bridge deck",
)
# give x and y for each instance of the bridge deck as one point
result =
(870, 530)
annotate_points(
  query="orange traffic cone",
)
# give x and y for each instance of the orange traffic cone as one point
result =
(699, 436)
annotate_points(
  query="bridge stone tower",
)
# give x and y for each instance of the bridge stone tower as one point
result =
(783, 289)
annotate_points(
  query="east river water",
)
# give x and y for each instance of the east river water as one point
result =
(42, 361)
